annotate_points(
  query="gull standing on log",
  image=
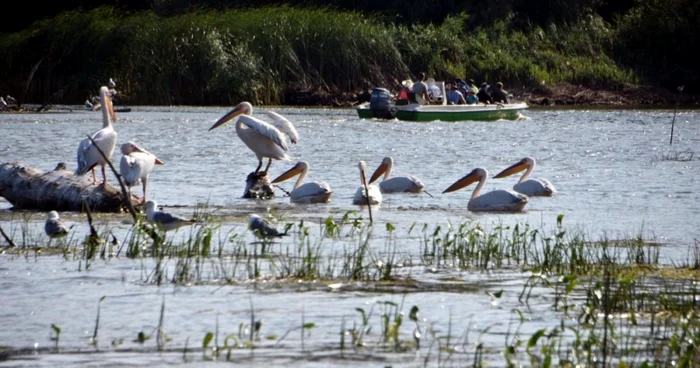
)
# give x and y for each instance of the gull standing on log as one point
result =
(54, 226)
(105, 139)
(136, 165)
(262, 228)
(163, 219)
(265, 139)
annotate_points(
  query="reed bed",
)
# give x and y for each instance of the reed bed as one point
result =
(617, 303)
(274, 55)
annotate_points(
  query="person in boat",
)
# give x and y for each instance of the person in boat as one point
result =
(472, 86)
(499, 95)
(471, 97)
(420, 90)
(454, 97)
(483, 95)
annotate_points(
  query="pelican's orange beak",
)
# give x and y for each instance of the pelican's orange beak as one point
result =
(513, 169)
(230, 115)
(377, 173)
(463, 182)
(108, 103)
(294, 171)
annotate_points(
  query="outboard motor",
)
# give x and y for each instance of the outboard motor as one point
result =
(381, 105)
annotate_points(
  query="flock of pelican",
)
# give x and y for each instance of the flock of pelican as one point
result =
(269, 140)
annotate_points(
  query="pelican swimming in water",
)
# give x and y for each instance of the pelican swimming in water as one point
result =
(311, 192)
(262, 228)
(136, 165)
(373, 194)
(396, 184)
(529, 187)
(496, 200)
(265, 139)
(105, 139)
(163, 219)
(54, 226)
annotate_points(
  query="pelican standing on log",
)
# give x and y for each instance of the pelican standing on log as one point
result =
(496, 200)
(105, 139)
(136, 165)
(373, 195)
(311, 192)
(265, 139)
(529, 187)
(395, 184)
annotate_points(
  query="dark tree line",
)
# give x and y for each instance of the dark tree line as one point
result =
(522, 12)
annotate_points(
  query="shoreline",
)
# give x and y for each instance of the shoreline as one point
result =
(561, 95)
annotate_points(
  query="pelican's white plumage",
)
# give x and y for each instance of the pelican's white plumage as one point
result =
(373, 194)
(262, 228)
(396, 184)
(136, 166)
(529, 187)
(105, 138)
(496, 200)
(54, 226)
(163, 219)
(311, 192)
(263, 138)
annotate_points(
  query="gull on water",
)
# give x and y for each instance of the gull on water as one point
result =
(163, 219)
(262, 228)
(54, 226)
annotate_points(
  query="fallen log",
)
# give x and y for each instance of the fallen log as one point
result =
(257, 186)
(59, 189)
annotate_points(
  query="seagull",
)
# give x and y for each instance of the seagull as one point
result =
(111, 83)
(3, 104)
(54, 227)
(163, 219)
(88, 105)
(11, 100)
(136, 165)
(262, 228)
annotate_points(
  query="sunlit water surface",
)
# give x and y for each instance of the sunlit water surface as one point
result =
(610, 168)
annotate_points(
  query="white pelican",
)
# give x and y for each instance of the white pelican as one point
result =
(373, 194)
(136, 165)
(398, 183)
(105, 139)
(265, 139)
(54, 226)
(496, 200)
(262, 228)
(111, 83)
(529, 187)
(311, 192)
(163, 219)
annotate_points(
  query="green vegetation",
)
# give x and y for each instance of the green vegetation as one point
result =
(614, 299)
(272, 55)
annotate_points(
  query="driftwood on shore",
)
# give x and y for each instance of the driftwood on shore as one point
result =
(257, 186)
(59, 189)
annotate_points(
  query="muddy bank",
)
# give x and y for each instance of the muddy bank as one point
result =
(561, 94)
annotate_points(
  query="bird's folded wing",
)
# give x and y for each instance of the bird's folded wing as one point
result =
(284, 125)
(166, 218)
(267, 130)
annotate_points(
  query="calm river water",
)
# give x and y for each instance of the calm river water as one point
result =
(610, 167)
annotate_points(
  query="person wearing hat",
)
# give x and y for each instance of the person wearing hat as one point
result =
(499, 95)
(472, 86)
(454, 96)
(483, 95)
